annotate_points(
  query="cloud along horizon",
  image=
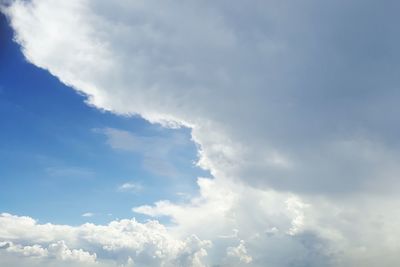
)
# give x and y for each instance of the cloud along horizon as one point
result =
(293, 107)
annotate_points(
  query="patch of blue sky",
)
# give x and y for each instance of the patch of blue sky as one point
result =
(59, 154)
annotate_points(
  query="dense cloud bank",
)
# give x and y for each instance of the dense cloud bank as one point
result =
(293, 105)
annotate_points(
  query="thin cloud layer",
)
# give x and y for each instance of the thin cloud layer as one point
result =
(293, 107)
(157, 152)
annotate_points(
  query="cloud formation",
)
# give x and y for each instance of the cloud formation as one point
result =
(130, 187)
(88, 214)
(121, 242)
(293, 107)
(58, 251)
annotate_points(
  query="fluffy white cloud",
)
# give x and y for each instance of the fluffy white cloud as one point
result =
(230, 213)
(120, 242)
(280, 97)
(30, 251)
(57, 252)
(239, 253)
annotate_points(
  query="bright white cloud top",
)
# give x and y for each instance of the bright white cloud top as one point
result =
(293, 105)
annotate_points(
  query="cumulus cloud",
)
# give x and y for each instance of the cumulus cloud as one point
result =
(239, 253)
(57, 252)
(293, 107)
(119, 242)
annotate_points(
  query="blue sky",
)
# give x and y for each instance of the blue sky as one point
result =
(56, 163)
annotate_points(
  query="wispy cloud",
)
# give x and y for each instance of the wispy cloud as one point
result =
(70, 172)
(88, 214)
(158, 152)
(130, 187)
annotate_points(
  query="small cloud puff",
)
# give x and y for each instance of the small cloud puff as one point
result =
(130, 187)
(88, 214)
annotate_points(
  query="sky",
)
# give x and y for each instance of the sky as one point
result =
(199, 133)
(59, 154)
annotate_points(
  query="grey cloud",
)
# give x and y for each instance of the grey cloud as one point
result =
(295, 78)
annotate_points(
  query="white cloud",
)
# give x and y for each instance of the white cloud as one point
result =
(58, 251)
(88, 214)
(296, 97)
(239, 253)
(296, 207)
(123, 241)
(62, 252)
(130, 187)
(27, 251)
